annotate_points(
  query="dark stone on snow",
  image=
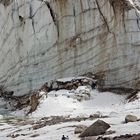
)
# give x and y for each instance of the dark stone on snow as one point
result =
(97, 128)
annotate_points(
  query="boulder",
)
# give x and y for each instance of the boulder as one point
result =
(97, 128)
(130, 118)
(79, 129)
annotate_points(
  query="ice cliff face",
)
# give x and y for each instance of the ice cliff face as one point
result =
(41, 40)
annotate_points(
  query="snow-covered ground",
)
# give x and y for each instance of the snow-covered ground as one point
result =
(64, 102)
(81, 102)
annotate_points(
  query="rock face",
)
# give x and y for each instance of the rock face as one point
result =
(97, 128)
(41, 40)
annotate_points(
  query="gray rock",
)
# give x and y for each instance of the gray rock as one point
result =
(130, 118)
(97, 128)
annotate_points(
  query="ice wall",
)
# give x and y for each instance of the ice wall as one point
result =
(41, 40)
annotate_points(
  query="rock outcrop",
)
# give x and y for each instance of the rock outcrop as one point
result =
(42, 40)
